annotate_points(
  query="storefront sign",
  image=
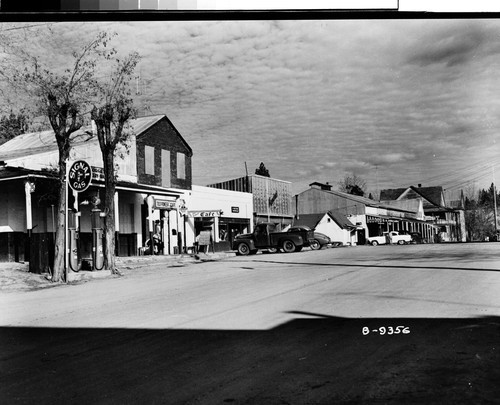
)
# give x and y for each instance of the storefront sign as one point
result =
(235, 210)
(164, 204)
(379, 220)
(204, 214)
(97, 173)
(80, 176)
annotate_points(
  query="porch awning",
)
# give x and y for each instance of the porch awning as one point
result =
(373, 219)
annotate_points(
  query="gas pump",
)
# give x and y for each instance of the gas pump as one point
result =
(97, 242)
(74, 248)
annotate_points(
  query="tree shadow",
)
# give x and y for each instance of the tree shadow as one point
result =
(313, 359)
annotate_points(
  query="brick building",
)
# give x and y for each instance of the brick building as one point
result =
(154, 183)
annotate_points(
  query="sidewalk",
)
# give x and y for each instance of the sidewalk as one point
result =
(16, 276)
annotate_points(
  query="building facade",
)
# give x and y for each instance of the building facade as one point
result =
(449, 222)
(271, 197)
(370, 217)
(222, 214)
(153, 182)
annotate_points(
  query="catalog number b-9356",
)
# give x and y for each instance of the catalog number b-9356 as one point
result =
(387, 330)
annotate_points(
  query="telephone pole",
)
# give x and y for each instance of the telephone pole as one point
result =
(495, 202)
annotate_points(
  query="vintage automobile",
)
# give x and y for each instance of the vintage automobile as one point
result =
(394, 236)
(266, 236)
(318, 240)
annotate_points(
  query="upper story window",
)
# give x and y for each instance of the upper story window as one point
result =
(149, 158)
(181, 166)
(165, 168)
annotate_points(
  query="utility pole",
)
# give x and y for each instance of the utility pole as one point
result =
(495, 202)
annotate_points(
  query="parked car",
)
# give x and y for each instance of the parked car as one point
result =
(417, 238)
(393, 235)
(318, 240)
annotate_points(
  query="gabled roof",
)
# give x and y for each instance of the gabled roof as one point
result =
(352, 197)
(312, 220)
(431, 194)
(142, 124)
(341, 220)
(44, 141)
(391, 194)
(362, 200)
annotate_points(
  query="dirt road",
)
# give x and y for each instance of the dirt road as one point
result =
(308, 328)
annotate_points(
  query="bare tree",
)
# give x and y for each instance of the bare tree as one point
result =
(353, 184)
(110, 117)
(63, 96)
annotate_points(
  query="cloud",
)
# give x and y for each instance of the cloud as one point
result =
(450, 47)
(316, 99)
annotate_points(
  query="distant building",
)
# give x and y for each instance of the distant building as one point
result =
(335, 225)
(448, 218)
(370, 217)
(271, 197)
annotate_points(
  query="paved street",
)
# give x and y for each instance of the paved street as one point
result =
(309, 327)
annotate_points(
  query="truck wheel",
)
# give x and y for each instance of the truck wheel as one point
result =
(288, 246)
(401, 242)
(243, 249)
(315, 245)
(374, 243)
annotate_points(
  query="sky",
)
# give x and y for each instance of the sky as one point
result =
(396, 102)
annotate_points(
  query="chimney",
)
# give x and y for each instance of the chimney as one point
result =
(420, 185)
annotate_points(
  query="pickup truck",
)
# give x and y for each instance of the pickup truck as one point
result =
(267, 236)
(395, 238)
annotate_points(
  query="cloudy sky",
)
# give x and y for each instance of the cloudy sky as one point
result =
(397, 102)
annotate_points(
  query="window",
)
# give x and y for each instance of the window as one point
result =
(181, 166)
(165, 168)
(149, 158)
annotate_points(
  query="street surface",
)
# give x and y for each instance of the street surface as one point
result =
(385, 324)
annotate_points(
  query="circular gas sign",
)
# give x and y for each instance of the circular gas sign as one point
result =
(80, 176)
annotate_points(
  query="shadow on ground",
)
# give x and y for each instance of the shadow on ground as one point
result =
(313, 360)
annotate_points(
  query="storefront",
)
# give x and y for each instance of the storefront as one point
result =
(216, 216)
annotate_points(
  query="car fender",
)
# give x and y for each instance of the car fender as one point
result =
(249, 242)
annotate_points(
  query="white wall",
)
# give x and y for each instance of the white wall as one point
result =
(331, 229)
(213, 199)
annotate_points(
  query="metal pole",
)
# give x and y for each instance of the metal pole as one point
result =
(495, 202)
(66, 223)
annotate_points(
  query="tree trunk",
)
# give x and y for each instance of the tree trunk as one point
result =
(109, 203)
(59, 262)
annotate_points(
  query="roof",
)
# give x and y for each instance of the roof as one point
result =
(341, 220)
(431, 194)
(392, 194)
(44, 141)
(312, 220)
